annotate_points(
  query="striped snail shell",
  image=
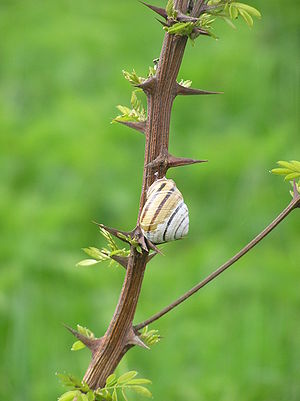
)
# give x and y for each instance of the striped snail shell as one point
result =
(165, 216)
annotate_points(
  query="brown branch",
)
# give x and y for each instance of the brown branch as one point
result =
(292, 205)
(160, 91)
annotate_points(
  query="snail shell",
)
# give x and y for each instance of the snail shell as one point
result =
(165, 216)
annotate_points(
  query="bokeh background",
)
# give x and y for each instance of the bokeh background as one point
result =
(62, 164)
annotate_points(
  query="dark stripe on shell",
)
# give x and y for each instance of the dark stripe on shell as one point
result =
(148, 202)
(182, 220)
(169, 193)
(184, 227)
(171, 218)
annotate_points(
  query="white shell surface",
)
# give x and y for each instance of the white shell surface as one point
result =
(164, 216)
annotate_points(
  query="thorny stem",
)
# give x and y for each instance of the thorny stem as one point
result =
(292, 205)
(161, 91)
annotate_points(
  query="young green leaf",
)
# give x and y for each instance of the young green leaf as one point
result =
(111, 380)
(233, 11)
(141, 390)
(94, 253)
(126, 377)
(150, 337)
(114, 395)
(124, 394)
(91, 396)
(249, 9)
(170, 9)
(132, 77)
(87, 262)
(186, 83)
(291, 170)
(69, 395)
(78, 345)
(139, 381)
(85, 331)
(247, 17)
(180, 28)
(69, 380)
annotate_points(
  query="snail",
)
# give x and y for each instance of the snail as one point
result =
(165, 216)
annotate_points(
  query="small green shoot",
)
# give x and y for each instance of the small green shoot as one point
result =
(103, 254)
(150, 337)
(114, 387)
(291, 171)
(78, 345)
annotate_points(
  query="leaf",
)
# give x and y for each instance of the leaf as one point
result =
(141, 390)
(132, 77)
(94, 253)
(180, 28)
(78, 345)
(290, 165)
(124, 109)
(150, 337)
(87, 262)
(296, 165)
(82, 397)
(247, 17)
(233, 11)
(186, 83)
(110, 380)
(91, 396)
(280, 171)
(170, 9)
(85, 331)
(139, 381)
(68, 396)
(114, 395)
(249, 9)
(69, 380)
(292, 176)
(124, 395)
(291, 169)
(126, 377)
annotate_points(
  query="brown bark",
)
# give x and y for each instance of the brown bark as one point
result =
(160, 91)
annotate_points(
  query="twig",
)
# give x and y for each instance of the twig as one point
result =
(292, 205)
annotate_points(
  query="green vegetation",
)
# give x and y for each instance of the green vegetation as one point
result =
(115, 388)
(63, 164)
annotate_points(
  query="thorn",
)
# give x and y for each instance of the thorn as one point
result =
(147, 85)
(182, 90)
(153, 247)
(161, 11)
(91, 343)
(199, 31)
(169, 161)
(162, 22)
(160, 160)
(122, 260)
(182, 161)
(140, 238)
(134, 339)
(139, 126)
(181, 17)
(115, 232)
(139, 342)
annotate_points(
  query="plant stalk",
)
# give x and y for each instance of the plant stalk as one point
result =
(160, 91)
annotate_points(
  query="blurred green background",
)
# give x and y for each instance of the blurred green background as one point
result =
(62, 164)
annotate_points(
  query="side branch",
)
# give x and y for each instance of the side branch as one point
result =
(292, 205)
